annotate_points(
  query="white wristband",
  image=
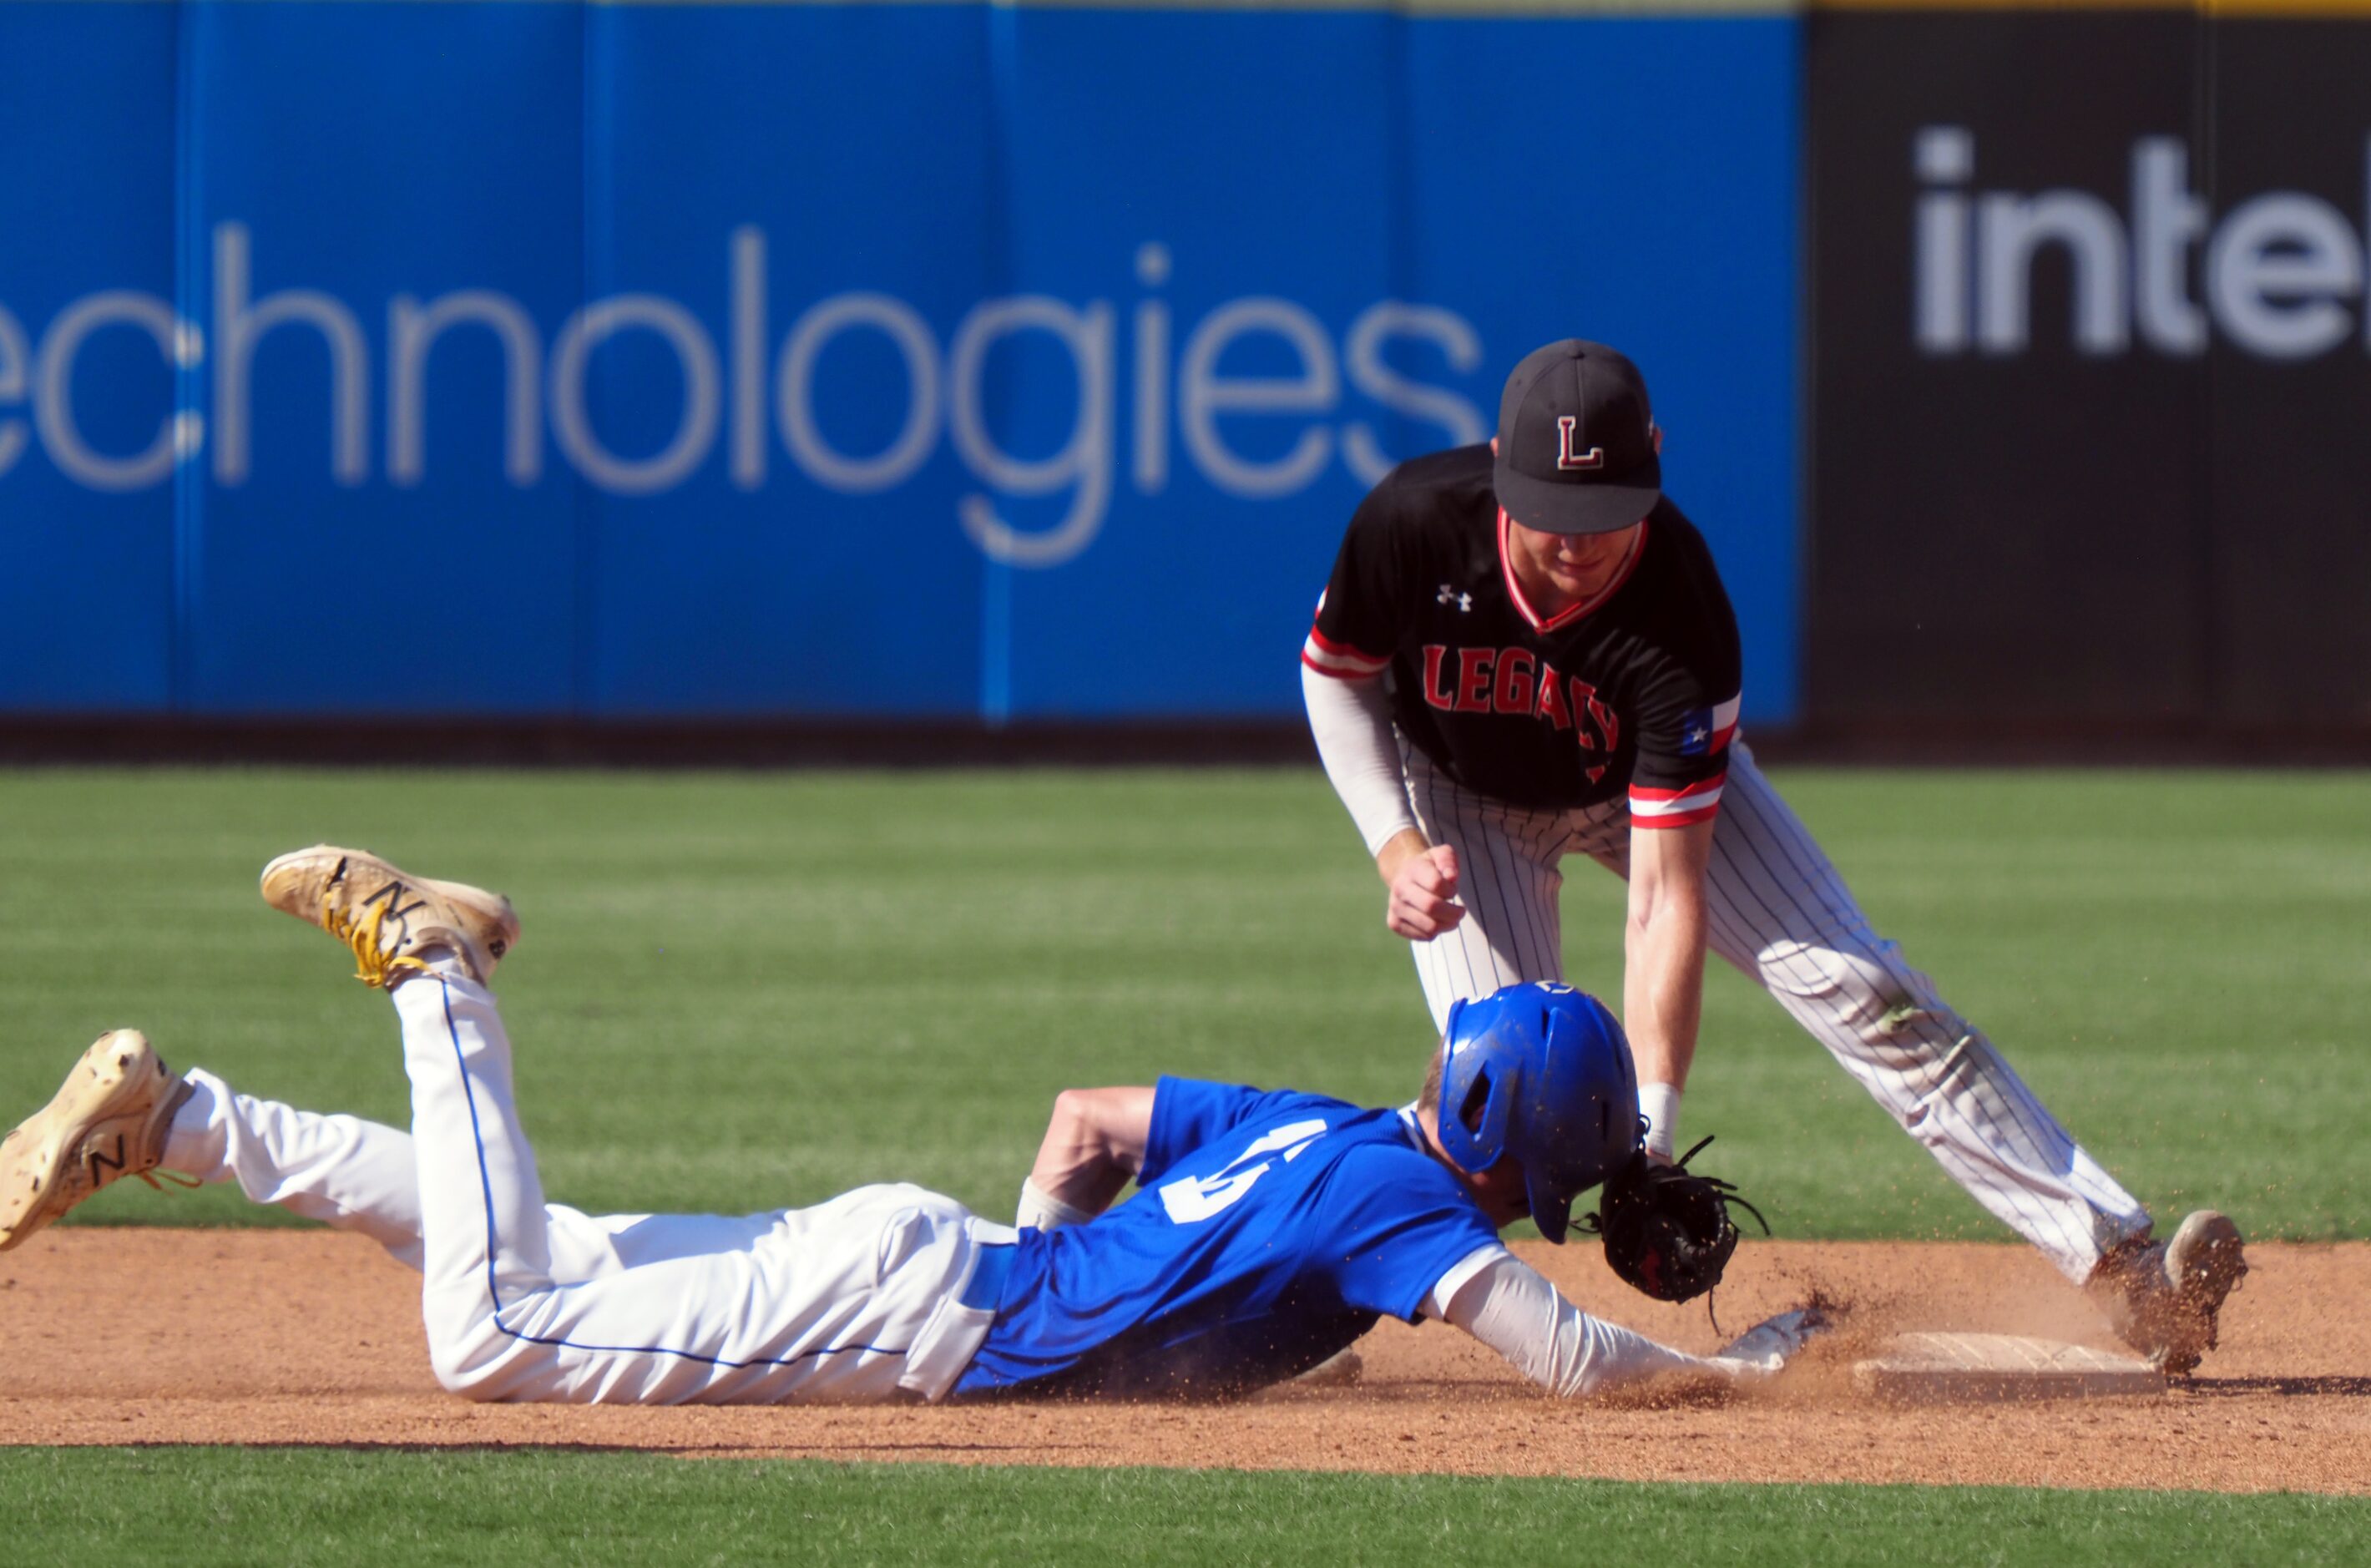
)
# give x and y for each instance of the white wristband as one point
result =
(1040, 1210)
(1660, 1104)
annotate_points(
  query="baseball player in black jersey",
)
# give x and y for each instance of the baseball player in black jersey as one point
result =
(1525, 652)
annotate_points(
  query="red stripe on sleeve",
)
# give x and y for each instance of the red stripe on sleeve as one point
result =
(1338, 674)
(1344, 650)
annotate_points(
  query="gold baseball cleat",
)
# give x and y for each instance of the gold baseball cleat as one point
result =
(389, 917)
(108, 1121)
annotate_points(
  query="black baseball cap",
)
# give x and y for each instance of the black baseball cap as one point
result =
(1577, 441)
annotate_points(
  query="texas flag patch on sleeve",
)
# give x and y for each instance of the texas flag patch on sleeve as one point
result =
(1704, 731)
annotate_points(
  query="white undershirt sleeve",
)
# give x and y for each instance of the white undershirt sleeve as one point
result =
(1445, 1290)
(1352, 722)
(1040, 1210)
(1512, 1308)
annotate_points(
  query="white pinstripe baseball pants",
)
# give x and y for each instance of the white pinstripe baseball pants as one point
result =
(1777, 910)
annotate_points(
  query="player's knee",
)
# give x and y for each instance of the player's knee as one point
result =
(470, 1357)
(464, 1371)
(1893, 1008)
(1868, 993)
(1950, 1098)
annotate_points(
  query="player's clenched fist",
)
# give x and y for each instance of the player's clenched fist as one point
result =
(1423, 881)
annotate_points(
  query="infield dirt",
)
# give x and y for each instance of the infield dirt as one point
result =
(119, 1336)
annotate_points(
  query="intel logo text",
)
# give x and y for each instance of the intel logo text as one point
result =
(2276, 274)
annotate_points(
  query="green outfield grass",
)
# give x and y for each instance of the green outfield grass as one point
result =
(303, 1506)
(742, 990)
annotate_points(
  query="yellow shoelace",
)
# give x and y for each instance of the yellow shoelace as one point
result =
(372, 966)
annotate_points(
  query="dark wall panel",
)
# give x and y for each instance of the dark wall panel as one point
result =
(2291, 444)
(2091, 369)
(833, 360)
(1998, 533)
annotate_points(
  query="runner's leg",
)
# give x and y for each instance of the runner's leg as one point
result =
(826, 1304)
(354, 1174)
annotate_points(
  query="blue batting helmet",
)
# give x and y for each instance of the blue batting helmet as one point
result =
(1540, 1074)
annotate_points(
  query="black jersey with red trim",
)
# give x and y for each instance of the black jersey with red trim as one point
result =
(1633, 690)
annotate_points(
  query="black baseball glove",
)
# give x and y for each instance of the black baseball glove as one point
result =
(1667, 1229)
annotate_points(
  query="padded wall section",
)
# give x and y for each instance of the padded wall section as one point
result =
(759, 360)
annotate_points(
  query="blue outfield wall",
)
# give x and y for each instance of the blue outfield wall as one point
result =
(931, 361)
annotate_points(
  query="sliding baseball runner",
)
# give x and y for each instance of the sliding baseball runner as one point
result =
(1268, 1230)
(1525, 653)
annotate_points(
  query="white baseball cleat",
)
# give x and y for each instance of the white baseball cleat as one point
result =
(106, 1122)
(389, 917)
(1764, 1350)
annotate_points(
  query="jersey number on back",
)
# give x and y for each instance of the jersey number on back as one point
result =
(1192, 1197)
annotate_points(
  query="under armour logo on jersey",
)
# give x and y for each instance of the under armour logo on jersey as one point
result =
(1449, 595)
(1569, 460)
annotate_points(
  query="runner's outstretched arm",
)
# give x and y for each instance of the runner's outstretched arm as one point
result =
(1512, 1308)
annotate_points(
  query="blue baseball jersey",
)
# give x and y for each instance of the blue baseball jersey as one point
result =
(1268, 1230)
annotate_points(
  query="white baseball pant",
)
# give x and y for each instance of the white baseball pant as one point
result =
(1778, 911)
(859, 1298)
